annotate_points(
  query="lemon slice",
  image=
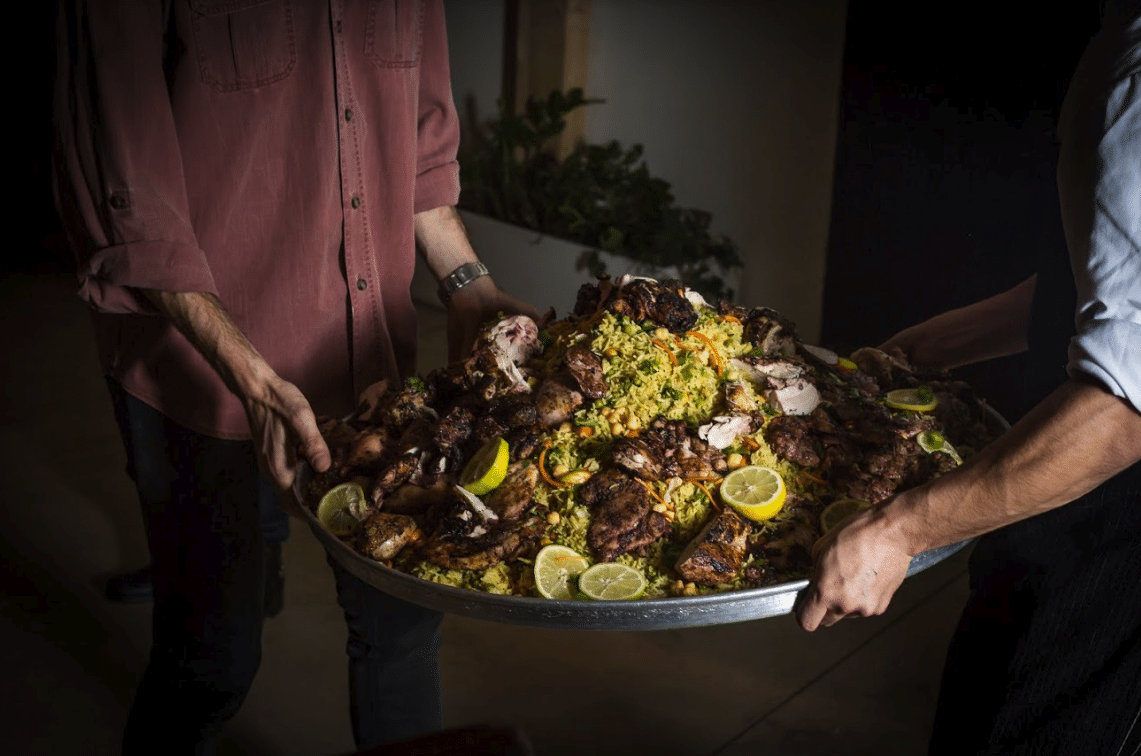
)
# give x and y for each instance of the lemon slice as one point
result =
(839, 510)
(335, 511)
(933, 441)
(555, 565)
(612, 581)
(920, 399)
(756, 492)
(487, 468)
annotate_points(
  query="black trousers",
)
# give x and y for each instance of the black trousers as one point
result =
(200, 500)
(1047, 656)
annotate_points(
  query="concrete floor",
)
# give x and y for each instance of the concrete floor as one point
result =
(72, 659)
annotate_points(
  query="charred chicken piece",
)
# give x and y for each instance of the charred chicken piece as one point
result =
(624, 521)
(382, 535)
(585, 368)
(770, 331)
(715, 555)
(394, 474)
(662, 302)
(472, 537)
(556, 400)
(512, 497)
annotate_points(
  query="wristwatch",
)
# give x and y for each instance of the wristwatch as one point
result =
(459, 278)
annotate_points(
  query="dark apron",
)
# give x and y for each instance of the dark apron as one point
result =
(1047, 655)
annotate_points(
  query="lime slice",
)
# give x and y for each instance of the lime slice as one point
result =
(847, 365)
(756, 492)
(840, 510)
(612, 581)
(920, 399)
(487, 468)
(335, 511)
(555, 565)
(933, 441)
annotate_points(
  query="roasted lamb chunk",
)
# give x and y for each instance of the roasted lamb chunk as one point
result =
(715, 555)
(382, 535)
(454, 428)
(623, 519)
(586, 369)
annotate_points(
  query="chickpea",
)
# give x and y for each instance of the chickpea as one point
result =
(660, 507)
(566, 427)
(553, 518)
(633, 423)
(617, 429)
(734, 461)
(690, 589)
(611, 352)
(559, 470)
(661, 333)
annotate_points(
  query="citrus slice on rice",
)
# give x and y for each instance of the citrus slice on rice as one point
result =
(555, 567)
(756, 492)
(487, 467)
(920, 399)
(934, 441)
(612, 581)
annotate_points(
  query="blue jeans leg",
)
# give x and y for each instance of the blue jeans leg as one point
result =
(394, 663)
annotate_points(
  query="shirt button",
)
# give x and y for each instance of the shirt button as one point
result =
(118, 202)
(348, 114)
(362, 284)
(356, 202)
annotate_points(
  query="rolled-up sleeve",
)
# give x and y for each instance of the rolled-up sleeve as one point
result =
(438, 127)
(1100, 186)
(118, 172)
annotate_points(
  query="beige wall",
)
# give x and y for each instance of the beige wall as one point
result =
(736, 104)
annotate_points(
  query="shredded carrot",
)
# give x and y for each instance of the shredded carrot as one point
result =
(812, 477)
(662, 345)
(543, 468)
(705, 490)
(750, 443)
(652, 492)
(731, 319)
(712, 348)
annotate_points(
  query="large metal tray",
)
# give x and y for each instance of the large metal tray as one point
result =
(644, 614)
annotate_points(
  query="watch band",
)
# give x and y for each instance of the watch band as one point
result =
(459, 278)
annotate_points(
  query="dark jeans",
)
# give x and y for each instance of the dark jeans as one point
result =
(200, 500)
(1046, 660)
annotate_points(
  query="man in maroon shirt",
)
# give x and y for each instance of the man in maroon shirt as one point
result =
(244, 183)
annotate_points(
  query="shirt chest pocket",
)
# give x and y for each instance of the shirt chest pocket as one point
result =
(393, 32)
(243, 44)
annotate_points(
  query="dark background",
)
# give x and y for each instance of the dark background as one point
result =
(944, 184)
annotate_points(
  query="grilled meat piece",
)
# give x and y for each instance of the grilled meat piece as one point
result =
(486, 428)
(516, 412)
(586, 369)
(413, 499)
(367, 448)
(770, 331)
(788, 546)
(523, 441)
(556, 400)
(623, 519)
(512, 497)
(738, 401)
(725, 429)
(790, 438)
(637, 456)
(662, 302)
(715, 555)
(392, 475)
(486, 545)
(454, 428)
(382, 535)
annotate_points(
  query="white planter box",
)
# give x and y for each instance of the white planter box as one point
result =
(532, 266)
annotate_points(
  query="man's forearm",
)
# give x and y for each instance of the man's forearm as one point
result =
(442, 241)
(1079, 437)
(202, 319)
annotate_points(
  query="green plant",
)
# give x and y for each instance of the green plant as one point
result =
(601, 196)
